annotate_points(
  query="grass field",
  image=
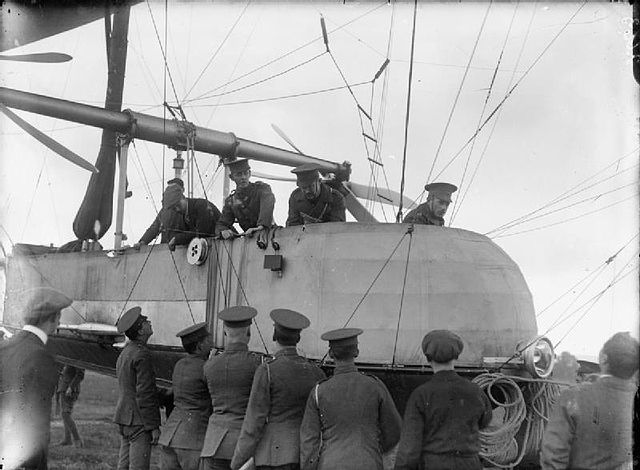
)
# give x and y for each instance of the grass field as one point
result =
(93, 415)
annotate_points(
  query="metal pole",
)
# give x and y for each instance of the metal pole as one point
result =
(123, 146)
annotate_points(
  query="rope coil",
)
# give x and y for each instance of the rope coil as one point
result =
(520, 400)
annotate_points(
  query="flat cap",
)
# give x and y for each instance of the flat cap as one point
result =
(193, 333)
(237, 316)
(307, 173)
(129, 319)
(237, 165)
(177, 181)
(43, 301)
(289, 319)
(441, 190)
(442, 345)
(171, 196)
(342, 336)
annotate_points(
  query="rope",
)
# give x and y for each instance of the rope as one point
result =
(135, 283)
(375, 279)
(406, 119)
(523, 399)
(182, 286)
(404, 283)
(264, 344)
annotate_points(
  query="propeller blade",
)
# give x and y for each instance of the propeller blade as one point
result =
(286, 138)
(42, 58)
(47, 141)
(267, 176)
(383, 195)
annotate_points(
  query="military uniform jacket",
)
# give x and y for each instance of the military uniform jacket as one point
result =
(174, 224)
(229, 377)
(28, 378)
(199, 221)
(250, 207)
(187, 424)
(328, 207)
(138, 403)
(422, 215)
(271, 429)
(349, 421)
(590, 426)
(443, 417)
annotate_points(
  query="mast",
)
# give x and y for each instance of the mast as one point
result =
(167, 132)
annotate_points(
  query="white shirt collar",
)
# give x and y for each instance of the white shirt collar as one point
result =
(36, 331)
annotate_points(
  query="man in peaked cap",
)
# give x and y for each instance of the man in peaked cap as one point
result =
(28, 379)
(350, 419)
(138, 408)
(271, 429)
(182, 219)
(432, 212)
(229, 376)
(250, 205)
(444, 415)
(182, 435)
(313, 201)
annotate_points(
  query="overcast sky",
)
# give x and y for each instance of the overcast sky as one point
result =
(569, 125)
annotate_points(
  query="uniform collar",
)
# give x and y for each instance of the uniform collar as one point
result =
(236, 347)
(344, 369)
(287, 351)
(617, 383)
(36, 331)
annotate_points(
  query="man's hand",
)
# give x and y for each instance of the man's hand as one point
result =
(172, 244)
(68, 393)
(136, 246)
(226, 234)
(249, 233)
(155, 435)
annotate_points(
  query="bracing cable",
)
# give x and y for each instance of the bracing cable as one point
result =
(404, 285)
(184, 292)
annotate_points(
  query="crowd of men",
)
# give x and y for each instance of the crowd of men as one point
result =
(236, 410)
(251, 206)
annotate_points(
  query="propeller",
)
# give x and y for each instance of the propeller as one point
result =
(42, 58)
(286, 138)
(47, 141)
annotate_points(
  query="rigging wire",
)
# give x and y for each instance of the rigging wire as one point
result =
(581, 201)
(292, 51)
(233, 27)
(463, 196)
(617, 278)
(135, 282)
(141, 172)
(282, 97)
(270, 77)
(455, 101)
(571, 191)
(408, 112)
(404, 284)
(566, 220)
(508, 94)
(458, 202)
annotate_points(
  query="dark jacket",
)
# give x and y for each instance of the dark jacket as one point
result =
(250, 207)
(422, 215)
(70, 379)
(186, 426)
(28, 378)
(349, 422)
(174, 225)
(271, 428)
(229, 377)
(138, 401)
(590, 427)
(442, 418)
(328, 207)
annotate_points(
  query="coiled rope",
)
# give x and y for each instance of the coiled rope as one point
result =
(522, 400)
